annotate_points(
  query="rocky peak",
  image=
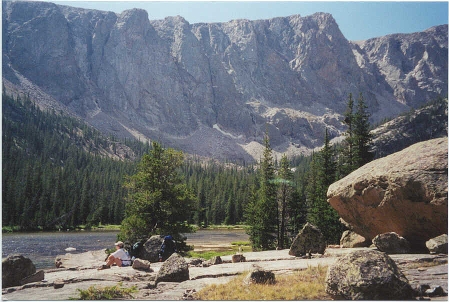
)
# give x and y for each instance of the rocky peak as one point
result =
(219, 83)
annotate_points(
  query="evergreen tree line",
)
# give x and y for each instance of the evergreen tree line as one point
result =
(55, 177)
(53, 173)
(279, 205)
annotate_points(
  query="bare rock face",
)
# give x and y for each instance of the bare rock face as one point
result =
(367, 275)
(218, 82)
(392, 243)
(309, 240)
(174, 269)
(15, 268)
(405, 192)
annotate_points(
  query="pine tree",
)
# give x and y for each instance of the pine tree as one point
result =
(346, 160)
(361, 134)
(355, 150)
(285, 196)
(263, 214)
(158, 202)
(322, 175)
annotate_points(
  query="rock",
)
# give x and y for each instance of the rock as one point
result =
(367, 275)
(351, 239)
(392, 243)
(215, 260)
(238, 258)
(309, 240)
(189, 294)
(141, 264)
(36, 277)
(173, 81)
(437, 245)
(15, 268)
(405, 193)
(174, 269)
(195, 261)
(435, 292)
(88, 259)
(151, 248)
(58, 284)
(260, 276)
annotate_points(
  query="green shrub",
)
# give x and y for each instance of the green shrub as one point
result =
(106, 293)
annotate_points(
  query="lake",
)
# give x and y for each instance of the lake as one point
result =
(43, 247)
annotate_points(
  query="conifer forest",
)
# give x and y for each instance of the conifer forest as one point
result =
(59, 173)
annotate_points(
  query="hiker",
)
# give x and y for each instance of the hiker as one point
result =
(120, 257)
(168, 247)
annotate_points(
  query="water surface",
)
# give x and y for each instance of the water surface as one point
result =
(43, 247)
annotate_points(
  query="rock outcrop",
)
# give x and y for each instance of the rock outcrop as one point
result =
(367, 275)
(63, 284)
(309, 240)
(15, 268)
(219, 82)
(392, 243)
(405, 192)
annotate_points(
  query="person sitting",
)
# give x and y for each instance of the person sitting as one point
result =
(168, 247)
(120, 257)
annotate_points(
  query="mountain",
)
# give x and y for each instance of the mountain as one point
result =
(422, 124)
(214, 89)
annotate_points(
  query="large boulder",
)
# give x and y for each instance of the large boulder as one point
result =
(437, 245)
(405, 192)
(367, 275)
(392, 243)
(151, 248)
(15, 268)
(349, 239)
(309, 240)
(174, 269)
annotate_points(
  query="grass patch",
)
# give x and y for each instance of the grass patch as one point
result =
(106, 293)
(301, 285)
(242, 243)
(224, 251)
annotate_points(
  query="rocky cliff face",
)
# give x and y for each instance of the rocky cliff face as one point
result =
(213, 89)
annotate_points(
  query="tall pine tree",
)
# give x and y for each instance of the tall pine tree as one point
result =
(361, 134)
(262, 210)
(285, 196)
(322, 175)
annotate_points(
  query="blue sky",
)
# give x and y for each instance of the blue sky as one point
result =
(357, 20)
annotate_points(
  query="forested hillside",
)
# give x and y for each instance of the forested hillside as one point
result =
(58, 172)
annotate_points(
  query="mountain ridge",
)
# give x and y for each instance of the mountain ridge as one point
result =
(213, 89)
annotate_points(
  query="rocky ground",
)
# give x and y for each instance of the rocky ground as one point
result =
(81, 272)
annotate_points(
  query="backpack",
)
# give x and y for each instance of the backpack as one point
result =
(134, 251)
